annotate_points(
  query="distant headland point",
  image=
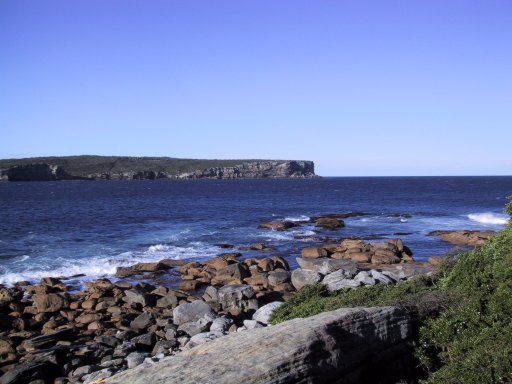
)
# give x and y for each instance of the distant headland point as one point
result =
(88, 167)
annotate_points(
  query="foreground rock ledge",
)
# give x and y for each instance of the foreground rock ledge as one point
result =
(350, 345)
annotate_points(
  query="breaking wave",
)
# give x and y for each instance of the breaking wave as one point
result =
(489, 218)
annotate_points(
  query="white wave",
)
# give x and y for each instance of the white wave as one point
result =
(23, 258)
(106, 266)
(489, 218)
(300, 218)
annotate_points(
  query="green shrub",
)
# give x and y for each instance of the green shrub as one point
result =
(464, 310)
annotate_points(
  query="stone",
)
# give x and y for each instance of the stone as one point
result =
(313, 252)
(221, 324)
(325, 265)
(96, 377)
(237, 298)
(142, 321)
(189, 285)
(464, 237)
(278, 225)
(252, 324)
(385, 258)
(232, 274)
(145, 341)
(51, 302)
(276, 278)
(30, 371)
(210, 294)
(163, 346)
(168, 301)
(262, 315)
(339, 280)
(194, 327)
(149, 267)
(329, 347)
(185, 313)
(280, 262)
(47, 340)
(381, 277)
(329, 223)
(365, 278)
(137, 296)
(134, 359)
(87, 318)
(359, 257)
(304, 277)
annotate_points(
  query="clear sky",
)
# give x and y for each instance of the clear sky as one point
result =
(361, 87)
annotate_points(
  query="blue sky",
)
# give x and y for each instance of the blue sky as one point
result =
(360, 87)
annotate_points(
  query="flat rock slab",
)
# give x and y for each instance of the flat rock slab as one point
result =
(345, 346)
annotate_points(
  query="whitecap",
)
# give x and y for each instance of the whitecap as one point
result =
(300, 218)
(489, 218)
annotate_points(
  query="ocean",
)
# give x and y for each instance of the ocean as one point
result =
(70, 228)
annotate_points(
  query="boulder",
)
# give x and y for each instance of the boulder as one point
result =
(313, 252)
(142, 321)
(150, 267)
(30, 371)
(339, 280)
(329, 223)
(194, 311)
(138, 296)
(325, 265)
(304, 277)
(236, 299)
(262, 315)
(232, 274)
(464, 237)
(51, 302)
(276, 278)
(350, 345)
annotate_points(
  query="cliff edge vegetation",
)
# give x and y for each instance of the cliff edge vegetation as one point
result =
(463, 312)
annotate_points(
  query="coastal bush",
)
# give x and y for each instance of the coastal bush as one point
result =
(464, 312)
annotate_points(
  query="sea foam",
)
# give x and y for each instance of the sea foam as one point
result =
(489, 218)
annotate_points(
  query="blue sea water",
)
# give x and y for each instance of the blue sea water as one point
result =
(92, 227)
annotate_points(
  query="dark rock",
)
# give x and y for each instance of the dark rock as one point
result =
(31, 370)
(329, 223)
(48, 340)
(145, 341)
(138, 296)
(142, 321)
(236, 299)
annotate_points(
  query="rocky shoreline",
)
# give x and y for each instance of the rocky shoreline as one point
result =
(50, 334)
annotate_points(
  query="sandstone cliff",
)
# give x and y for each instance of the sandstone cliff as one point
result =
(126, 168)
(351, 345)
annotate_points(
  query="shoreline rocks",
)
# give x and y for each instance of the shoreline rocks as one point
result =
(464, 237)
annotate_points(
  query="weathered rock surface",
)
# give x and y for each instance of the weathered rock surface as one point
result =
(327, 348)
(464, 237)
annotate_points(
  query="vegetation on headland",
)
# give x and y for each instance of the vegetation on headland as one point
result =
(463, 310)
(86, 164)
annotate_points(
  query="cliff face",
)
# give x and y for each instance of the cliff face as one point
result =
(256, 170)
(37, 172)
(246, 170)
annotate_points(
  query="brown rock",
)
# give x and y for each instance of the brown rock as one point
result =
(88, 318)
(89, 304)
(217, 263)
(149, 267)
(170, 263)
(279, 262)
(189, 285)
(314, 252)
(51, 302)
(265, 265)
(464, 237)
(329, 223)
(232, 274)
(360, 257)
(385, 259)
